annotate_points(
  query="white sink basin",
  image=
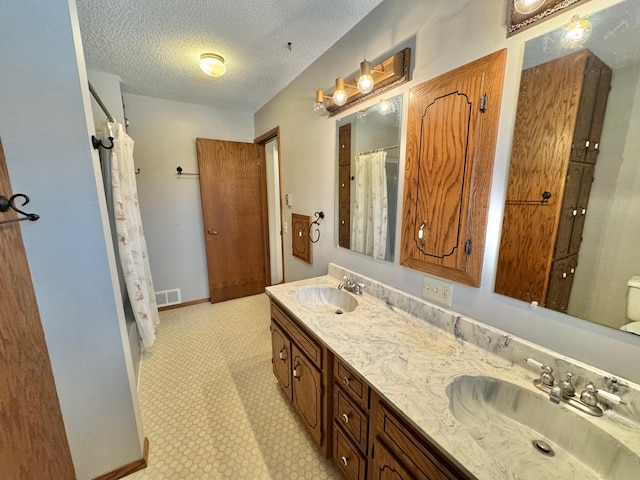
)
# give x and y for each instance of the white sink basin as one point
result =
(324, 299)
(505, 420)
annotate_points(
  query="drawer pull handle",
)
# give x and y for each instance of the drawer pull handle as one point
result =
(345, 417)
(281, 355)
(344, 461)
(296, 374)
(346, 381)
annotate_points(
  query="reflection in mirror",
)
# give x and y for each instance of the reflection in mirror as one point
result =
(368, 151)
(571, 230)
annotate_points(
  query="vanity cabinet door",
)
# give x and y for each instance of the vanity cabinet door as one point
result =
(385, 466)
(281, 358)
(307, 393)
(451, 136)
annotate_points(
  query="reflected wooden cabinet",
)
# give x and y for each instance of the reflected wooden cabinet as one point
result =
(344, 186)
(556, 143)
(451, 136)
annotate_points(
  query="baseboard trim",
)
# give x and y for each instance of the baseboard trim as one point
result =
(130, 467)
(184, 304)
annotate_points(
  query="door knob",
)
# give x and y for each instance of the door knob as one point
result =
(212, 232)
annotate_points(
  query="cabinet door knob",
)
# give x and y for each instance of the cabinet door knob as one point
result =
(345, 417)
(344, 461)
(296, 374)
(346, 381)
(575, 212)
(281, 355)
(564, 275)
(212, 232)
(584, 211)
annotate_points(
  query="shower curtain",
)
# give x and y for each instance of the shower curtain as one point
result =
(132, 247)
(370, 212)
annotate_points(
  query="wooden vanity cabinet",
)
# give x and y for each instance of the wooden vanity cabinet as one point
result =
(302, 367)
(351, 421)
(556, 142)
(451, 137)
(399, 452)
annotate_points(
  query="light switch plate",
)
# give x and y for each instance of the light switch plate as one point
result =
(437, 290)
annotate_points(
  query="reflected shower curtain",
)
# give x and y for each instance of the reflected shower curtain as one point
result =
(132, 246)
(370, 212)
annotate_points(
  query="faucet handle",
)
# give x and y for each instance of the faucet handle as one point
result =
(546, 377)
(589, 395)
(347, 280)
(610, 397)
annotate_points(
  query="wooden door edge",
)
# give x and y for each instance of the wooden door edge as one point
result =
(129, 468)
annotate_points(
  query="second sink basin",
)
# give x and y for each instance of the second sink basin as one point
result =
(324, 299)
(507, 420)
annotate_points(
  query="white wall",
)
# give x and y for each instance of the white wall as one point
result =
(107, 87)
(446, 35)
(273, 206)
(165, 135)
(45, 126)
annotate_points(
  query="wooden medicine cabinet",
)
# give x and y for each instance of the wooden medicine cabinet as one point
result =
(451, 137)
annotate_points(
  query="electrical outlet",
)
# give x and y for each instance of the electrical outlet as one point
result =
(437, 290)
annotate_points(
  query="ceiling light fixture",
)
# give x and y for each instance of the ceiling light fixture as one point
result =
(577, 32)
(365, 81)
(526, 7)
(212, 64)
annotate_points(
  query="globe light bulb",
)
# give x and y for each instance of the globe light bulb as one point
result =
(577, 33)
(365, 81)
(340, 94)
(319, 106)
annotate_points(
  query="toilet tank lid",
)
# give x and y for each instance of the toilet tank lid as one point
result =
(634, 282)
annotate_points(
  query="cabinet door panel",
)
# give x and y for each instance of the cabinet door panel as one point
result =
(586, 108)
(569, 210)
(586, 180)
(451, 137)
(281, 351)
(307, 393)
(386, 467)
(560, 283)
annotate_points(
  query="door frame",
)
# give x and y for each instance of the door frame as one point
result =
(263, 140)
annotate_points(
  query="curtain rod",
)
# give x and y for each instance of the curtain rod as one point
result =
(383, 148)
(97, 98)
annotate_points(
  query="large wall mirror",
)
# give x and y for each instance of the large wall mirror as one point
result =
(571, 230)
(368, 150)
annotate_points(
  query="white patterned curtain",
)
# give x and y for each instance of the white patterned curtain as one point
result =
(131, 242)
(371, 211)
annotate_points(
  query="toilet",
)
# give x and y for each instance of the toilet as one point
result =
(633, 306)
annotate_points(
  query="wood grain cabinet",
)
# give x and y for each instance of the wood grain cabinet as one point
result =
(559, 120)
(400, 453)
(302, 367)
(351, 421)
(367, 438)
(451, 137)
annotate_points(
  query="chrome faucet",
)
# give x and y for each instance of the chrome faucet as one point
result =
(351, 285)
(565, 392)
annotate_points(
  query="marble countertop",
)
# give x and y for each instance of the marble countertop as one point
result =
(410, 362)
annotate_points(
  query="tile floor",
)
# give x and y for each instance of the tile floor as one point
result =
(212, 408)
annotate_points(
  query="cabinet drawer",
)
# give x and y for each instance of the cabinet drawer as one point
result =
(415, 452)
(351, 418)
(308, 346)
(352, 383)
(351, 463)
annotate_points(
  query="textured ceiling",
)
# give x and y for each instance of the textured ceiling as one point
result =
(154, 45)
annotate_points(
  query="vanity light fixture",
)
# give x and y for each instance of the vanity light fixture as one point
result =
(385, 107)
(577, 32)
(212, 64)
(371, 81)
(526, 7)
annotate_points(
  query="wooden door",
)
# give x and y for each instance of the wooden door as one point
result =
(234, 211)
(33, 441)
(307, 393)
